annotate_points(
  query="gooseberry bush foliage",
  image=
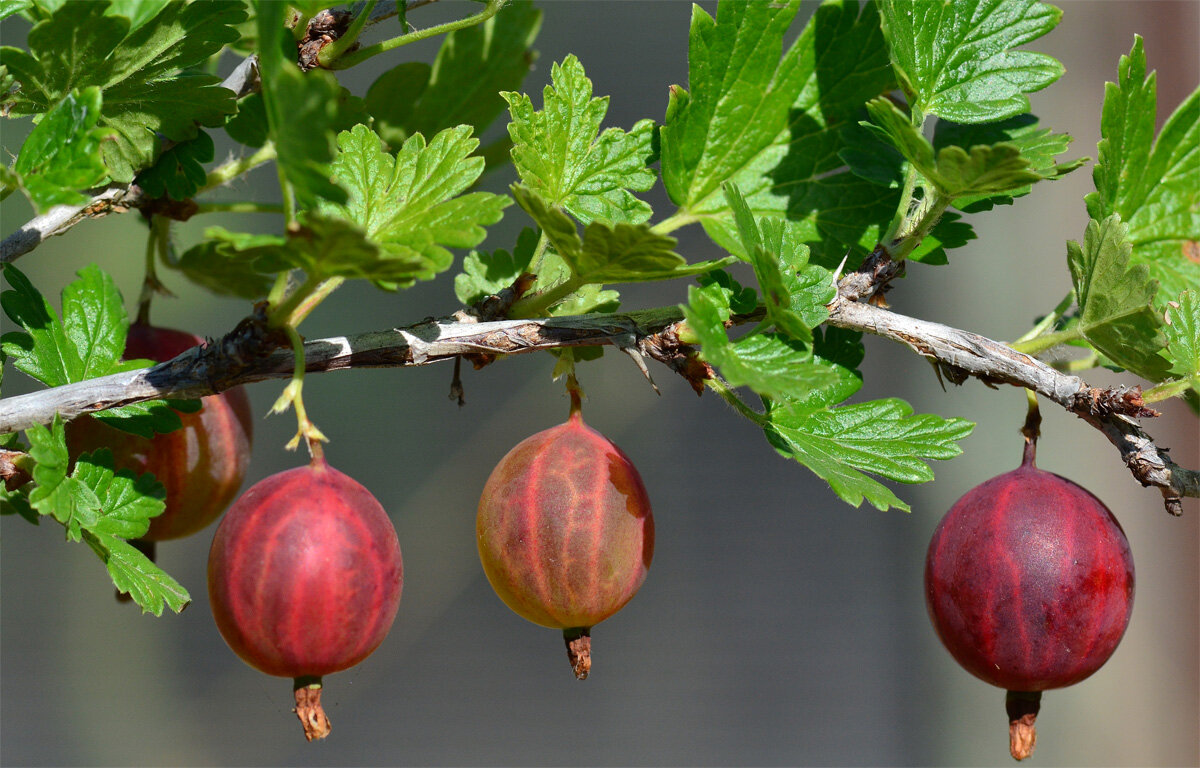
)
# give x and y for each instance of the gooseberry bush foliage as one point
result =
(820, 168)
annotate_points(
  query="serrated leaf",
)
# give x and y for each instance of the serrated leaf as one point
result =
(64, 498)
(485, 274)
(145, 419)
(768, 363)
(785, 160)
(1182, 332)
(145, 95)
(956, 60)
(463, 86)
(1153, 184)
(1039, 146)
(607, 253)
(1116, 313)
(412, 204)
(882, 437)
(179, 172)
(733, 296)
(794, 292)
(560, 154)
(328, 247)
(127, 502)
(977, 172)
(13, 7)
(215, 265)
(133, 573)
(61, 155)
(86, 343)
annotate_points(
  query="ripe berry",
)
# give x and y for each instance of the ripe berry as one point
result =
(304, 579)
(201, 465)
(1029, 584)
(565, 531)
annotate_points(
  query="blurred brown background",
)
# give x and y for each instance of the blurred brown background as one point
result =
(778, 626)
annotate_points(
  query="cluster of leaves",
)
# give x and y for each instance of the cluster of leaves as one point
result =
(796, 162)
(93, 502)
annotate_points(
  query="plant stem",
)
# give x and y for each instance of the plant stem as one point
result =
(150, 284)
(241, 206)
(308, 303)
(719, 386)
(334, 50)
(1048, 322)
(1046, 341)
(536, 305)
(902, 208)
(1166, 390)
(230, 170)
(293, 394)
(362, 54)
(674, 222)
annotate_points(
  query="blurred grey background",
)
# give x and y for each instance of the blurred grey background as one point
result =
(778, 625)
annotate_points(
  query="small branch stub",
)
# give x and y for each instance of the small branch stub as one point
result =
(1022, 707)
(579, 650)
(308, 708)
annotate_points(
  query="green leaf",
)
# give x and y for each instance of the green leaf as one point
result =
(328, 247)
(304, 110)
(794, 292)
(133, 573)
(54, 494)
(609, 253)
(732, 296)
(85, 344)
(1182, 333)
(412, 205)
(972, 174)
(249, 126)
(785, 160)
(13, 7)
(61, 155)
(1037, 145)
(144, 419)
(127, 501)
(463, 86)
(559, 155)
(1116, 312)
(179, 172)
(955, 60)
(768, 363)
(1153, 184)
(485, 274)
(215, 265)
(145, 95)
(882, 437)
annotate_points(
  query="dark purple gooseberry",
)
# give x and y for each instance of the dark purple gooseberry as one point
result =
(1029, 584)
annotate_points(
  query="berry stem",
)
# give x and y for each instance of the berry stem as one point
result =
(1022, 707)
(1032, 428)
(308, 707)
(576, 393)
(579, 650)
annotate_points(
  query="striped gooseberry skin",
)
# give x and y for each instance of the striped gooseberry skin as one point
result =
(564, 527)
(202, 464)
(305, 574)
(1029, 581)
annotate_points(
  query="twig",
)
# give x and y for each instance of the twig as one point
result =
(206, 370)
(245, 356)
(959, 354)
